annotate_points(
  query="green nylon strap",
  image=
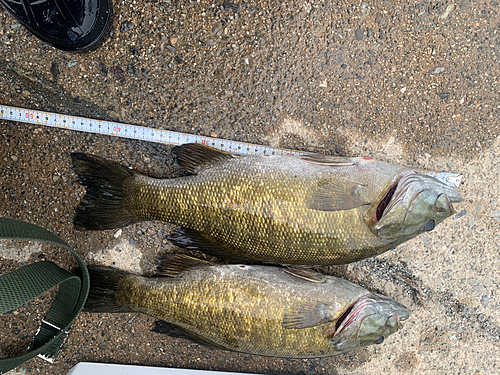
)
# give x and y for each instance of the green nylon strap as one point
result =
(20, 286)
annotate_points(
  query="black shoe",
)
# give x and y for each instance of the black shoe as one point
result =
(70, 25)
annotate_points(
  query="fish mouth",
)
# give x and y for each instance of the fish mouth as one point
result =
(444, 203)
(398, 321)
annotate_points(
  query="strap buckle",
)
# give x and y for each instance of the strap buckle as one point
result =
(51, 327)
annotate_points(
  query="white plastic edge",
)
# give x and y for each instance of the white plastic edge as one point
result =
(86, 368)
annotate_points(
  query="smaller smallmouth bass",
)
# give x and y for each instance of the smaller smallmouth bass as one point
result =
(302, 210)
(264, 310)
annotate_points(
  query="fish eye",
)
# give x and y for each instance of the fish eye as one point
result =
(429, 225)
(380, 340)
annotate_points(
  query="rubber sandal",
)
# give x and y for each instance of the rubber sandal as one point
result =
(70, 25)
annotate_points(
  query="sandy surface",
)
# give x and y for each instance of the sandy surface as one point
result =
(411, 83)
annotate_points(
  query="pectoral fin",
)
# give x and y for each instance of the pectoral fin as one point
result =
(307, 316)
(194, 156)
(336, 196)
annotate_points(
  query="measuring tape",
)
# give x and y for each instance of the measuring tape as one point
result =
(142, 133)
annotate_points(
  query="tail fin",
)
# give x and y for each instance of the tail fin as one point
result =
(105, 283)
(104, 205)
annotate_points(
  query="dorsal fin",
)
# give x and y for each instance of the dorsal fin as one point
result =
(306, 274)
(194, 156)
(174, 265)
(331, 160)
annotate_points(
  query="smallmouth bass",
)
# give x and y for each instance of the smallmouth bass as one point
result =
(300, 210)
(264, 310)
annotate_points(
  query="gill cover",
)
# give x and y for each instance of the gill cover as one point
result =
(368, 321)
(417, 203)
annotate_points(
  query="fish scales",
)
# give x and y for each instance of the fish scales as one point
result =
(259, 211)
(288, 210)
(242, 308)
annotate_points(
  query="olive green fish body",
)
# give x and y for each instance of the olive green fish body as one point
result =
(291, 210)
(242, 316)
(256, 309)
(257, 208)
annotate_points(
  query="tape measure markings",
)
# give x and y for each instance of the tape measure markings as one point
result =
(142, 133)
(133, 131)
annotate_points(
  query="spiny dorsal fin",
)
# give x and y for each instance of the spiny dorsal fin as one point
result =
(194, 156)
(308, 315)
(174, 265)
(306, 274)
(336, 196)
(334, 161)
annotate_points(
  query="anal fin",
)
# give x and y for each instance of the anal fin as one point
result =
(162, 327)
(193, 240)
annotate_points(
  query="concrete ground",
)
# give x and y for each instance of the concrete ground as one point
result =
(413, 83)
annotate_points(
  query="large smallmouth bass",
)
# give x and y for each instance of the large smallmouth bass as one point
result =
(263, 310)
(307, 210)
